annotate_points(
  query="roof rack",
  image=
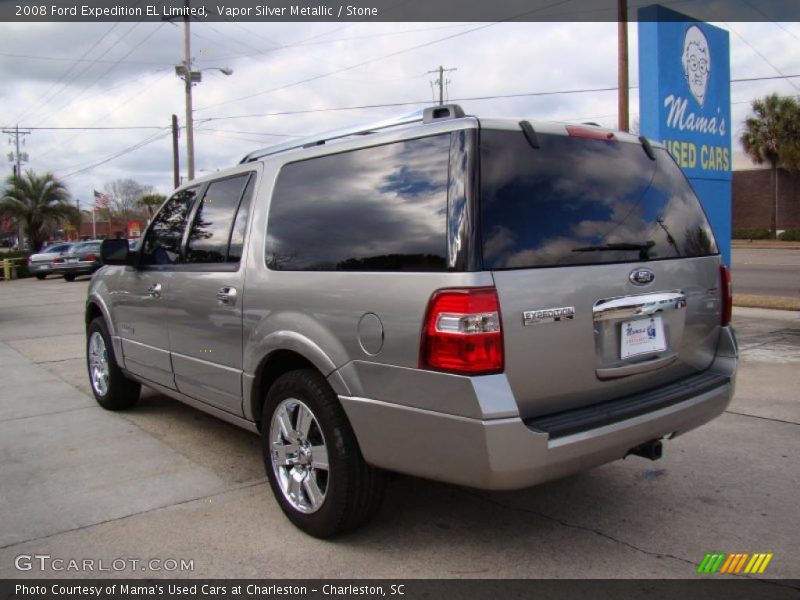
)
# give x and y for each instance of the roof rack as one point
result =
(428, 115)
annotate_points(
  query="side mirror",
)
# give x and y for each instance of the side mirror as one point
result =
(115, 252)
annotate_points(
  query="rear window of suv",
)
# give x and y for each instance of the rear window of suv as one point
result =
(578, 201)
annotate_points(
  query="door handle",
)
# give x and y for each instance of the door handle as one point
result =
(154, 290)
(227, 295)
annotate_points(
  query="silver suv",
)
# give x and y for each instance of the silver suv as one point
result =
(486, 302)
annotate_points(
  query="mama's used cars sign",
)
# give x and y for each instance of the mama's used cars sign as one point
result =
(685, 102)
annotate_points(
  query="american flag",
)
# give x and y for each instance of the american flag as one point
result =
(100, 200)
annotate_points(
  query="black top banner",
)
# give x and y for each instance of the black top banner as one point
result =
(385, 10)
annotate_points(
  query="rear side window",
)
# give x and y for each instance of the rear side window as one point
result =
(577, 201)
(211, 229)
(162, 246)
(376, 209)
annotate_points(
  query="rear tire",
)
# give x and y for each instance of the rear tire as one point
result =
(312, 458)
(70, 277)
(40, 276)
(111, 389)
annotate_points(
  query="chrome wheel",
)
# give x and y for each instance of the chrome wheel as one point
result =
(299, 455)
(98, 363)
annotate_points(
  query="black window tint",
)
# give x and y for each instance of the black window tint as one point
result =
(162, 246)
(208, 238)
(240, 224)
(377, 209)
(566, 202)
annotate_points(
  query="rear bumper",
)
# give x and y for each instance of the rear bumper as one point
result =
(506, 453)
(75, 268)
(40, 268)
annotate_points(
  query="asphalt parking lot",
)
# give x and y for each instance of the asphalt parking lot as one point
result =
(168, 482)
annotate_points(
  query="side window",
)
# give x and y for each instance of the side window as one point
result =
(162, 246)
(377, 209)
(240, 224)
(211, 230)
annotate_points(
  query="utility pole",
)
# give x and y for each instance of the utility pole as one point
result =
(176, 169)
(17, 158)
(622, 66)
(441, 81)
(80, 217)
(187, 64)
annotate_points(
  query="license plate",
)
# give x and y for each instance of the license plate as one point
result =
(72, 260)
(642, 336)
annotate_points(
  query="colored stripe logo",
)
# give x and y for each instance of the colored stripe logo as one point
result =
(733, 564)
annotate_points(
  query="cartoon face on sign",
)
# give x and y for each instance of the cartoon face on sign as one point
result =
(696, 61)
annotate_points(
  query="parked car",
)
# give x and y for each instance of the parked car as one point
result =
(41, 264)
(82, 259)
(486, 302)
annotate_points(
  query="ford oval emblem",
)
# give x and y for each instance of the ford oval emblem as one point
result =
(642, 276)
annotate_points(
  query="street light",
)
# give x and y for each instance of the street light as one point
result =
(190, 77)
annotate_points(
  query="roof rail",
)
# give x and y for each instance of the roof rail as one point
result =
(428, 115)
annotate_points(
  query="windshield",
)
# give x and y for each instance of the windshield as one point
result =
(576, 201)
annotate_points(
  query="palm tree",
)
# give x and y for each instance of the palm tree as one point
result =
(773, 136)
(39, 203)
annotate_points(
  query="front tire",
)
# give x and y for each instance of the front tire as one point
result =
(111, 389)
(312, 458)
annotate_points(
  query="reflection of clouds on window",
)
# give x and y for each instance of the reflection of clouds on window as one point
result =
(545, 206)
(380, 208)
(208, 238)
(499, 240)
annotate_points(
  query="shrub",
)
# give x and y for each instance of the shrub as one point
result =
(790, 235)
(752, 233)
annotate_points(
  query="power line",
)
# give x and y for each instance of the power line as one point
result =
(110, 128)
(252, 132)
(128, 150)
(84, 71)
(307, 42)
(109, 70)
(44, 98)
(764, 58)
(117, 106)
(78, 60)
(766, 16)
(383, 57)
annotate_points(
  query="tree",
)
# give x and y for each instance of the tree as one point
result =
(151, 202)
(773, 136)
(123, 198)
(39, 203)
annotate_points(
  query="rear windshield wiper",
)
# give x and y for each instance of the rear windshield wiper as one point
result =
(643, 249)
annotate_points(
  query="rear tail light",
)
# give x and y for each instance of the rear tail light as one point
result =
(91, 257)
(727, 295)
(58, 260)
(463, 332)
